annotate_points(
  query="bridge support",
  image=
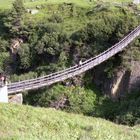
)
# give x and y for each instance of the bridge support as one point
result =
(3, 94)
(16, 99)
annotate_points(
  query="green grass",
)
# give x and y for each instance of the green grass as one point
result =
(6, 4)
(28, 123)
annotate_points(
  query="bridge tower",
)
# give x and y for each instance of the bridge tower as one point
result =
(3, 94)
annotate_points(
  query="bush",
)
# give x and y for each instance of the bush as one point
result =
(3, 45)
(55, 19)
(78, 99)
(126, 111)
(3, 58)
(26, 76)
(25, 57)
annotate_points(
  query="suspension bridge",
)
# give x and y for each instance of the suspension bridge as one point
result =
(42, 81)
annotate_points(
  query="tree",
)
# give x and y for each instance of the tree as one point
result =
(24, 56)
(14, 22)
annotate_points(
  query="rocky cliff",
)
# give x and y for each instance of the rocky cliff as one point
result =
(122, 82)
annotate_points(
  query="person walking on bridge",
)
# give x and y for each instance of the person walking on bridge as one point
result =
(80, 62)
(3, 81)
(3, 89)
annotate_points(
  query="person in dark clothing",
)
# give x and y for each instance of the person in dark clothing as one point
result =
(2, 80)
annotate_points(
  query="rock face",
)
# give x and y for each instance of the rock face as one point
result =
(15, 45)
(16, 99)
(134, 81)
(11, 62)
(136, 1)
(123, 81)
(32, 11)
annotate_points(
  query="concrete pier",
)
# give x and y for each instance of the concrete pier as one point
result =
(3, 94)
(16, 99)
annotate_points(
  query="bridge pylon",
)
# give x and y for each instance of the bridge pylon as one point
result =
(3, 94)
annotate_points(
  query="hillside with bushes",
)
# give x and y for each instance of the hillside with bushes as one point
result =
(58, 36)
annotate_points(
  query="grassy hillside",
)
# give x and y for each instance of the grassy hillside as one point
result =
(25, 122)
(63, 28)
(84, 3)
(7, 3)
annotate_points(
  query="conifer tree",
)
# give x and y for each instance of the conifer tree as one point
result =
(14, 21)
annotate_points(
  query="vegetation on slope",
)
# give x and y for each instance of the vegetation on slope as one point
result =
(86, 101)
(55, 42)
(83, 3)
(58, 37)
(25, 122)
(64, 34)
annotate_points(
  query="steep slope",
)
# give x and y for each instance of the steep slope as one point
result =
(25, 122)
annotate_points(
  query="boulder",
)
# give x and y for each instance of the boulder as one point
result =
(136, 1)
(34, 11)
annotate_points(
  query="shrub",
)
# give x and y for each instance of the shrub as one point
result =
(55, 19)
(78, 100)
